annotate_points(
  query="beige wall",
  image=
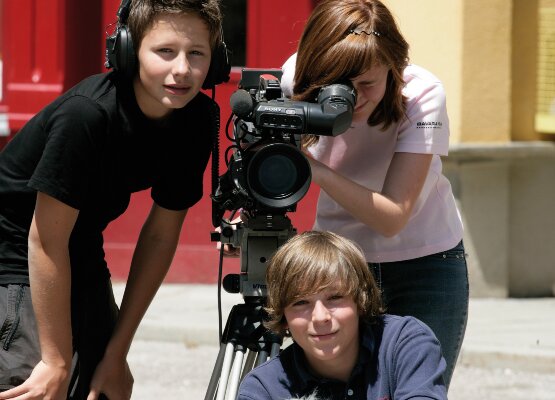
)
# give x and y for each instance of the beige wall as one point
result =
(433, 29)
(524, 69)
(469, 45)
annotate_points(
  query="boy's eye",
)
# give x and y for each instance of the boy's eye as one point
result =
(299, 303)
(165, 50)
(336, 297)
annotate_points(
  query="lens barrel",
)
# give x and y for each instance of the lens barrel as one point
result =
(278, 174)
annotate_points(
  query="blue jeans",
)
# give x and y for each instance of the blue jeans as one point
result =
(433, 289)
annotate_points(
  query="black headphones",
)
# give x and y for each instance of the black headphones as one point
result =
(120, 53)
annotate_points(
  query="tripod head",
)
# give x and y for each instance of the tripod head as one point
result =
(258, 238)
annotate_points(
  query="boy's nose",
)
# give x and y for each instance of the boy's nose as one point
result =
(181, 66)
(320, 313)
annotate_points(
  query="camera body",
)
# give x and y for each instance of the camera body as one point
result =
(267, 171)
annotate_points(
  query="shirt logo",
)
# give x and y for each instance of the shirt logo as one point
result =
(429, 124)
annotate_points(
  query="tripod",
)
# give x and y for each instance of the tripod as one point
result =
(245, 342)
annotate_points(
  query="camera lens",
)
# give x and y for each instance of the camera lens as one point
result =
(278, 175)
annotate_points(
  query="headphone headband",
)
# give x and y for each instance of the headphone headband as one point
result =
(123, 11)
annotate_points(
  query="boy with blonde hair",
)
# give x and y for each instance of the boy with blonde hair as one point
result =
(322, 294)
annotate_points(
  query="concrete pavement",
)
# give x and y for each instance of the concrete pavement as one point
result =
(501, 333)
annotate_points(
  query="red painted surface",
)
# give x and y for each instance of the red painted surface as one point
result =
(47, 47)
(42, 50)
(273, 30)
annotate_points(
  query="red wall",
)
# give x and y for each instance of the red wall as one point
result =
(43, 45)
(49, 46)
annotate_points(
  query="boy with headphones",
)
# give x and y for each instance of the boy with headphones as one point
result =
(70, 171)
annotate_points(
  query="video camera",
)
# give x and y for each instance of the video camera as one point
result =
(267, 172)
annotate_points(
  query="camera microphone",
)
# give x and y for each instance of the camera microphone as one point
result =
(241, 103)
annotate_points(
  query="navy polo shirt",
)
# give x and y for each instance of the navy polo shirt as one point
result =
(399, 358)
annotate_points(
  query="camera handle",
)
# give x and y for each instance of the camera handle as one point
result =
(245, 342)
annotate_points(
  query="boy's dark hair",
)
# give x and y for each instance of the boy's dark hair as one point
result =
(311, 262)
(143, 12)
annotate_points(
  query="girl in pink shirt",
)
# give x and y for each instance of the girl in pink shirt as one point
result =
(381, 181)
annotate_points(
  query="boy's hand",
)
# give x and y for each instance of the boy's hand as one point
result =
(112, 378)
(46, 382)
(230, 250)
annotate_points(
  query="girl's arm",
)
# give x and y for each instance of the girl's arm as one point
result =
(387, 212)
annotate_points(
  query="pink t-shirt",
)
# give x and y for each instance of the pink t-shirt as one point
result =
(363, 154)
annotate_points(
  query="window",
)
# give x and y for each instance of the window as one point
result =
(545, 102)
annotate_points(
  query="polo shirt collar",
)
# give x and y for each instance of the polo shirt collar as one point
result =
(307, 381)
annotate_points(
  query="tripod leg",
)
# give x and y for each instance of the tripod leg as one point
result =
(214, 379)
(261, 358)
(233, 384)
(275, 350)
(249, 363)
(228, 359)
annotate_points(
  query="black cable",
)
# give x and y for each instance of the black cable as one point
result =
(215, 183)
(220, 273)
(227, 134)
(215, 143)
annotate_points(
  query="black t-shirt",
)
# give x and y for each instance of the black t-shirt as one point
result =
(91, 148)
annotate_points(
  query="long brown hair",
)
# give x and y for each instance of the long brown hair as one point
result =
(309, 263)
(343, 39)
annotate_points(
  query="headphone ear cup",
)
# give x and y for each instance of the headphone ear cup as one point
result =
(126, 58)
(219, 67)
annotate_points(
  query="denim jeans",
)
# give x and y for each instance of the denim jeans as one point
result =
(433, 289)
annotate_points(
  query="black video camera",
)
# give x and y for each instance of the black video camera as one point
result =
(267, 172)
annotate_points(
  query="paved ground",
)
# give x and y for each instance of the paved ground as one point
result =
(508, 352)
